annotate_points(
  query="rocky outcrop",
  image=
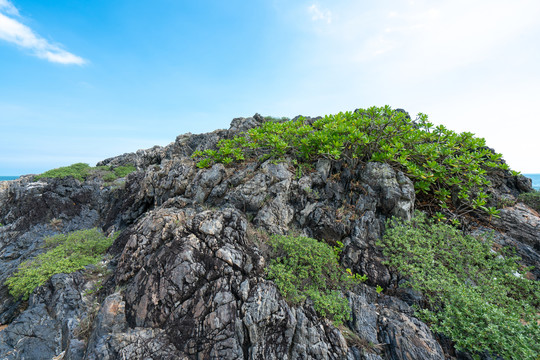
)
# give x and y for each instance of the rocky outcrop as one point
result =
(186, 277)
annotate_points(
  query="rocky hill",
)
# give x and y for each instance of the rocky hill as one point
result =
(186, 278)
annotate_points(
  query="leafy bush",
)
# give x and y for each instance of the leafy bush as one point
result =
(276, 119)
(81, 172)
(441, 162)
(478, 297)
(304, 268)
(123, 171)
(532, 199)
(65, 253)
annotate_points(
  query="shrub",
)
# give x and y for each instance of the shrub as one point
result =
(304, 268)
(478, 297)
(276, 119)
(79, 171)
(65, 253)
(123, 171)
(441, 162)
(82, 172)
(532, 199)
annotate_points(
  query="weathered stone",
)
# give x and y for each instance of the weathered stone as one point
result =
(187, 283)
(395, 190)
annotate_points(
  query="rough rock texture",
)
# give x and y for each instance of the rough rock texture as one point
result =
(187, 273)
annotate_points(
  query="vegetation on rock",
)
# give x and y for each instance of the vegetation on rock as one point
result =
(79, 171)
(82, 171)
(532, 199)
(304, 268)
(65, 253)
(442, 164)
(478, 297)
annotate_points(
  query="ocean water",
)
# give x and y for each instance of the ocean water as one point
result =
(535, 180)
(4, 178)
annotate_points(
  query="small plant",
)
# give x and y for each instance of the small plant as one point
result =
(478, 297)
(305, 268)
(85, 327)
(56, 224)
(531, 199)
(379, 289)
(65, 253)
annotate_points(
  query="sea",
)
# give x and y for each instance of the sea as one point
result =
(4, 178)
(535, 180)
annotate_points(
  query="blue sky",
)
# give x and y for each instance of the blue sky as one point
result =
(81, 81)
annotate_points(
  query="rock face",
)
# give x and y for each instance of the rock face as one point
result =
(186, 275)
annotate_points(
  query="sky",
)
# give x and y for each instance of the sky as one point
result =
(81, 81)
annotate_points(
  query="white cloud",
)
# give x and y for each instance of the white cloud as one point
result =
(8, 8)
(320, 14)
(15, 32)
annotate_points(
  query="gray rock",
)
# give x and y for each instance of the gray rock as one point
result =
(521, 223)
(395, 190)
(46, 327)
(188, 283)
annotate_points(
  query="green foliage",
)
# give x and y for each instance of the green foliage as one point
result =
(532, 199)
(478, 297)
(65, 253)
(304, 268)
(276, 119)
(79, 171)
(123, 171)
(82, 172)
(442, 164)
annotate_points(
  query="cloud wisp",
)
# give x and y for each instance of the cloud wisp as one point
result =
(15, 32)
(320, 14)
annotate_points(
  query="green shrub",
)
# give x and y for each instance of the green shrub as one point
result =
(82, 172)
(304, 268)
(65, 253)
(123, 171)
(532, 199)
(276, 119)
(79, 171)
(440, 162)
(478, 297)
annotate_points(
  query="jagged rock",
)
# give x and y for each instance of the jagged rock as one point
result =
(521, 223)
(187, 282)
(244, 124)
(44, 329)
(394, 189)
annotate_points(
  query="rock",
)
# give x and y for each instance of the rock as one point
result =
(395, 190)
(407, 337)
(244, 124)
(45, 328)
(187, 273)
(521, 223)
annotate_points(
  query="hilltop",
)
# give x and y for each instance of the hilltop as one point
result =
(208, 256)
